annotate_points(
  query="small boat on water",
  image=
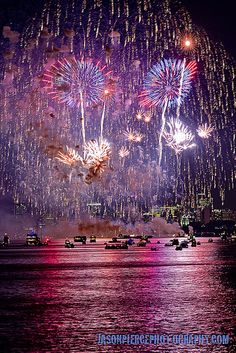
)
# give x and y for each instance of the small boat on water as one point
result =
(93, 239)
(172, 242)
(80, 239)
(116, 245)
(130, 241)
(142, 243)
(233, 237)
(178, 247)
(184, 244)
(69, 244)
(146, 238)
(5, 242)
(210, 240)
(124, 236)
(32, 239)
(153, 248)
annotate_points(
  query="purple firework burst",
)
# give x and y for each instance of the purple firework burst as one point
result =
(169, 80)
(69, 79)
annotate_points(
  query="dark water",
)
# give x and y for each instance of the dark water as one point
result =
(54, 299)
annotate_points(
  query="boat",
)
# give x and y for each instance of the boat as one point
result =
(130, 241)
(184, 244)
(6, 241)
(194, 243)
(116, 245)
(114, 239)
(172, 242)
(175, 241)
(210, 240)
(93, 239)
(69, 244)
(123, 236)
(153, 248)
(142, 243)
(233, 238)
(146, 238)
(224, 237)
(32, 239)
(178, 247)
(80, 239)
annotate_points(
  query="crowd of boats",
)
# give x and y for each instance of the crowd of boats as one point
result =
(118, 242)
(122, 241)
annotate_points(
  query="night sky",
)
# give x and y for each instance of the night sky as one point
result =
(217, 18)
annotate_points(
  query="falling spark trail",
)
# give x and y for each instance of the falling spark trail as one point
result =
(102, 120)
(178, 177)
(180, 88)
(70, 175)
(82, 117)
(163, 121)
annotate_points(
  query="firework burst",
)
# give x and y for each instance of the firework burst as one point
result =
(130, 135)
(139, 114)
(138, 137)
(71, 157)
(68, 79)
(77, 84)
(97, 155)
(147, 117)
(178, 136)
(204, 131)
(188, 42)
(163, 81)
(133, 136)
(123, 152)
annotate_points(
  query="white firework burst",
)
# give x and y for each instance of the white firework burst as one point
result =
(138, 137)
(139, 114)
(133, 136)
(123, 152)
(71, 157)
(204, 131)
(97, 155)
(130, 135)
(147, 117)
(178, 136)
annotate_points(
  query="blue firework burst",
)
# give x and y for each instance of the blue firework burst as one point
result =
(69, 79)
(169, 80)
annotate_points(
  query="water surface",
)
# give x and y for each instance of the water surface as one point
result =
(57, 300)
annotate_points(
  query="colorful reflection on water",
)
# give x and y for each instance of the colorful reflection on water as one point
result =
(57, 300)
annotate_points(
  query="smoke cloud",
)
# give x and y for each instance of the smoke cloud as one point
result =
(18, 225)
